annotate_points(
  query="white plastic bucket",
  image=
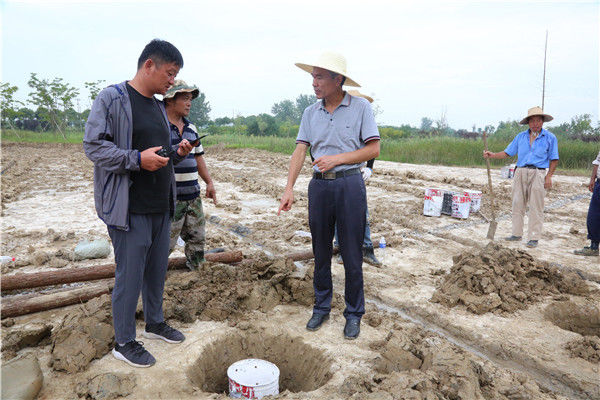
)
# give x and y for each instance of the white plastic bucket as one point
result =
(505, 172)
(432, 205)
(461, 205)
(253, 379)
(475, 196)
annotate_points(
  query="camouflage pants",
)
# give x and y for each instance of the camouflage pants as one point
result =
(188, 222)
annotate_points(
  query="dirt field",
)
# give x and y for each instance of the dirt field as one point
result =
(448, 317)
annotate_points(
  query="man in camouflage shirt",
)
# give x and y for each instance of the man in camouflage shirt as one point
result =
(188, 221)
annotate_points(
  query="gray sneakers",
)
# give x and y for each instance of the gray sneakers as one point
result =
(164, 332)
(134, 354)
(532, 243)
(587, 251)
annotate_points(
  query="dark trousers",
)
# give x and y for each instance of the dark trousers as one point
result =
(141, 256)
(342, 201)
(593, 217)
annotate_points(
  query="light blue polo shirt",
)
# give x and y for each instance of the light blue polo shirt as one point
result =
(348, 128)
(544, 149)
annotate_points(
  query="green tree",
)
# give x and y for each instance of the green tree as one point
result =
(200, 110)
(223, 121)
(426, 124)
(53, 99)
(581, 125)
(8, 105)
(94, 88)
(303, 101)
(285, 111)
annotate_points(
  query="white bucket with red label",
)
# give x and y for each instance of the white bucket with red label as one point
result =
(475, 196)
(253, 379)
(461, 205)
(432, 205)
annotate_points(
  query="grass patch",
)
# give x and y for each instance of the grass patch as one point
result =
(10, 135)
(575, 156)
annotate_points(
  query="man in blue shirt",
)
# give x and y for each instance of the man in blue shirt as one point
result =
(537, 158)
(341, 132)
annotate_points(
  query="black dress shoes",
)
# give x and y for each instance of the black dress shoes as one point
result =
(352, 329)
(316, 321)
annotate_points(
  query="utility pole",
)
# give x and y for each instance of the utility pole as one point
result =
(544, 79)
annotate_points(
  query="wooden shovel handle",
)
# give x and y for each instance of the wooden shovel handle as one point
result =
(487, 162)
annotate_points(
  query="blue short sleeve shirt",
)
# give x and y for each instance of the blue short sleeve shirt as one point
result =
(543, 150)
(348, 128)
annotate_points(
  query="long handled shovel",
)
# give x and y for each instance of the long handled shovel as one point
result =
(493, 224)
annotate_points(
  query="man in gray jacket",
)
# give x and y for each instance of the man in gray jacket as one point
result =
(127, 139)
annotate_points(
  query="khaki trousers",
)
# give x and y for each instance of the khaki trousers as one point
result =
(528, 189)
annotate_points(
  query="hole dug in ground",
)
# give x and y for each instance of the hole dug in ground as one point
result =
(303, 368)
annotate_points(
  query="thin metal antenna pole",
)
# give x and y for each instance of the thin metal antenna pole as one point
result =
(544, 81)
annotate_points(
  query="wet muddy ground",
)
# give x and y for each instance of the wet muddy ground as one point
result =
(447, 315)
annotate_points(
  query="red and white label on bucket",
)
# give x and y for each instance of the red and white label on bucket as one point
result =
(461, 205)
(432, 205)
(434, 192)
(475, 196)
(239, 391)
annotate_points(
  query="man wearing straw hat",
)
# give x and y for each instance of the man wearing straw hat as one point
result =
(341, 132)
(188, 219)
(368, 250)
(537, 158)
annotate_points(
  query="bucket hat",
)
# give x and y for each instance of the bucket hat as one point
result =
(536, 111)
(356, 93)
(179, 86)
(330, 61)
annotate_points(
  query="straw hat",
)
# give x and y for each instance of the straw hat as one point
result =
(532, 112)
(356, 93)
(330, 61)
(179, 86)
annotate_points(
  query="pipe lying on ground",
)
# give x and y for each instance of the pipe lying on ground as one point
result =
(13, 307)
(70, 275)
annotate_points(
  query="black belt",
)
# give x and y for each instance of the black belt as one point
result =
(335, 175)
(531, 167)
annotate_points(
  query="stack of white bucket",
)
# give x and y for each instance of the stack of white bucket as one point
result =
(253, 379)
(462, 203)
(508, 171)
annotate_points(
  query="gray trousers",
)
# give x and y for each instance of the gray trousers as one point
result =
(141, 256)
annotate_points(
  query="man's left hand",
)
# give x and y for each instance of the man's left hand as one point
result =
(184, 148)
(366, 173)
(548, 182)
(211, 193)
(325, 163)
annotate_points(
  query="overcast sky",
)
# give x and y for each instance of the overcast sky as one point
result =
(479, 62)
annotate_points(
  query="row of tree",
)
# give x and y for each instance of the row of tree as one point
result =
(51, 107)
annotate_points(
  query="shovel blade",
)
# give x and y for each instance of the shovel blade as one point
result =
(492, 230)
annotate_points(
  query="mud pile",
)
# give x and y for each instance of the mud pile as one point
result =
(587, 348)
(413, 364)
(498, 279)
(83, 335)
(217, 291)
(106, 386)
(17, 337)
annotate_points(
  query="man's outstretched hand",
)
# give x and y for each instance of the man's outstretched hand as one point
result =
(286, 201)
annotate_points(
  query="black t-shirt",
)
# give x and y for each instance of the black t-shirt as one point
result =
(150, 190)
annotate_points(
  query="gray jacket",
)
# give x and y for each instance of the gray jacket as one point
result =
(107, 143)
